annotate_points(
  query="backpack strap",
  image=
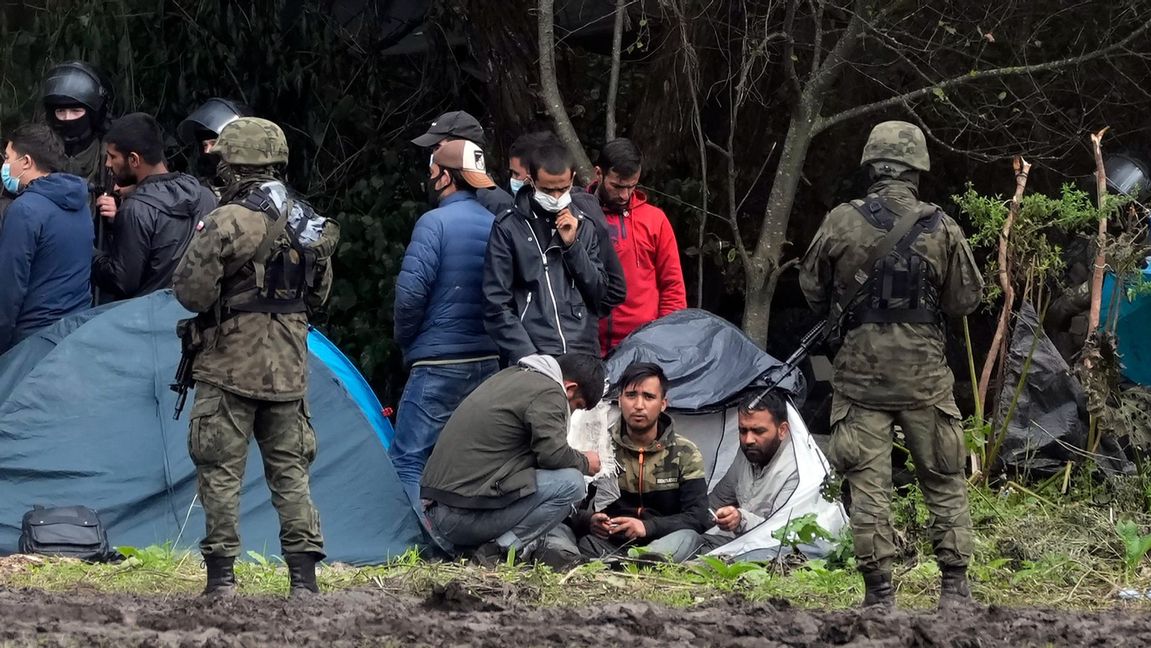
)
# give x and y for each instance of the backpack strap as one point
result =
(901, 229)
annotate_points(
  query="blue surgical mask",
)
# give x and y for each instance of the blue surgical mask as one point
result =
(10, 183)
(515, 185)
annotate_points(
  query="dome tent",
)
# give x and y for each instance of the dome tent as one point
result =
(86, 418)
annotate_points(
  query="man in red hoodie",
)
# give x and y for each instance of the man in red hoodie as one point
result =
(644, 241)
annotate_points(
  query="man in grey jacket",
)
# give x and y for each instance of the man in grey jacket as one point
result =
(502, 473)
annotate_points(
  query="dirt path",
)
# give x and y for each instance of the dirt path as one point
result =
(455, 618)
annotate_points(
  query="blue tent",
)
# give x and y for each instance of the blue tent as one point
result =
(1133, 323)
(86, 418)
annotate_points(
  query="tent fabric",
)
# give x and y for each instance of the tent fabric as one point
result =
(1132, 323)
(86, 418)
(708, 361)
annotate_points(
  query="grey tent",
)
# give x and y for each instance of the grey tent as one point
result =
(86, 418)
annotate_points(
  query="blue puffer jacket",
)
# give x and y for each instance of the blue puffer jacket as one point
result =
(439, 293)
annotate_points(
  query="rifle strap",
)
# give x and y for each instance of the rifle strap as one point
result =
(899, 231)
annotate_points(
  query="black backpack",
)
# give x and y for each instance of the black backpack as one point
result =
(68, 531)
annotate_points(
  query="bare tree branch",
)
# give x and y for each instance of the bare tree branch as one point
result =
(789, 48)
(550, 90)
(823, 123)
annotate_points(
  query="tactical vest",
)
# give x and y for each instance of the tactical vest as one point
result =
(282, 271)
(903, 286)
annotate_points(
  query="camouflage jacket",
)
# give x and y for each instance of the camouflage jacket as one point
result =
(890, 366)
(663, 484)
(256, 355)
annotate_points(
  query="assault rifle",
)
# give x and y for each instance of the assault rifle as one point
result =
(775, 376)
(191, 342)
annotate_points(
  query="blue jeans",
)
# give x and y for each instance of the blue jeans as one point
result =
(432, 393)
(520, 523)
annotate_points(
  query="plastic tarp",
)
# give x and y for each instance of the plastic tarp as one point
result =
(86, 418)
(1049, 424)
(708, 361)
(1132, 325)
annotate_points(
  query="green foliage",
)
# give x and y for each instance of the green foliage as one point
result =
(1135, 545)
(804, 529)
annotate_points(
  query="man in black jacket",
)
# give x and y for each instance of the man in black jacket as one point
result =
(457, 125)
(152, 226)
(544, 282)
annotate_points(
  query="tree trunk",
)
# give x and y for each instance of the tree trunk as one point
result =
(550, 90)
(505, 58)
(613, 79)
(759, 281)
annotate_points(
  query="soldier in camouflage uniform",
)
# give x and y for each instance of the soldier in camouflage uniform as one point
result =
(892, 367)
(252, 368)
(662, 486)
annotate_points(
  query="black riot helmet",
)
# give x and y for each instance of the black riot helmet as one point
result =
(1127, 175)
(209, 119)
(76, 83)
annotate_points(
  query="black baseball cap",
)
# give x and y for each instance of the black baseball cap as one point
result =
(457, 124)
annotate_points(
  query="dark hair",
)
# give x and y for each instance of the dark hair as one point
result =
(771, 401)
(527, 143)
(137, 133)
(552, 157)
(638, 372)
(620, 155)
(586, 371)
(40, 143)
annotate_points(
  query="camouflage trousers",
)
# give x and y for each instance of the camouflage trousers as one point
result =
(221, 428)
(860, 450)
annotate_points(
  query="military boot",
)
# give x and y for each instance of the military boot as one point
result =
(221, 576)
(302, 574)
(878, 590)
(954, 591)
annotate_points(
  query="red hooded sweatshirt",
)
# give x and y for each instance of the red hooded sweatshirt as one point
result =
(645, 243)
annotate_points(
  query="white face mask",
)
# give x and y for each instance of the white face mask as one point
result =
(551, 204)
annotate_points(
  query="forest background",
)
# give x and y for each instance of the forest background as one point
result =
(751, 113)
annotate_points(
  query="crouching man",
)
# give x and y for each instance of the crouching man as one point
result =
(502, 473)
(662, 503)
(773, 480)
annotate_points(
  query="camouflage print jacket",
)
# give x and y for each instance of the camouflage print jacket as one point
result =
(889, 366)
(255, 355)
(663, 484)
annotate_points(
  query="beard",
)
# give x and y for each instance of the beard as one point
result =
(761, 456)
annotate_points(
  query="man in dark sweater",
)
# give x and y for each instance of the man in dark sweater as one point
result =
(502, 473)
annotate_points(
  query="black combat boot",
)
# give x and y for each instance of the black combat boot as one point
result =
(302, 574)
(221, 576)
(954, 591)
(878, 590)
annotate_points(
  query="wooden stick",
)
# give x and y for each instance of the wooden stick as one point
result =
(1022, 169)
(1101, 242)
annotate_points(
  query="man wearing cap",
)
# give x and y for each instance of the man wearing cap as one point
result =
(459, 125)
(439, 306)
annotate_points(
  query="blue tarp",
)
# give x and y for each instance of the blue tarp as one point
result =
(1133, 326)
(86, 418)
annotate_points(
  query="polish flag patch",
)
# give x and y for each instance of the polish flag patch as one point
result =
(200, 226)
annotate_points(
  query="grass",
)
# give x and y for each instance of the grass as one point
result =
(1030, 550)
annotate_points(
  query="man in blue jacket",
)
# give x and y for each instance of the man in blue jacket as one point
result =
(46, 241)
(439, 306)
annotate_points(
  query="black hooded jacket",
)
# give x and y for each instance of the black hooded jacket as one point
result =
(149, 234)
(540, 297)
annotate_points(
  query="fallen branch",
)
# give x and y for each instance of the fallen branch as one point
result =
(1022, 169)
(1101, 242)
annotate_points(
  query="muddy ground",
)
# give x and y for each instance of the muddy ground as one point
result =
(453, 617)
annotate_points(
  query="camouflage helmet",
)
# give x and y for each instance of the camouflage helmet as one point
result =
(251, 141)
(897, 141)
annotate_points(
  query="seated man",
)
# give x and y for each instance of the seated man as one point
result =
(502, 473)
(662, 504)
(761, 490)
